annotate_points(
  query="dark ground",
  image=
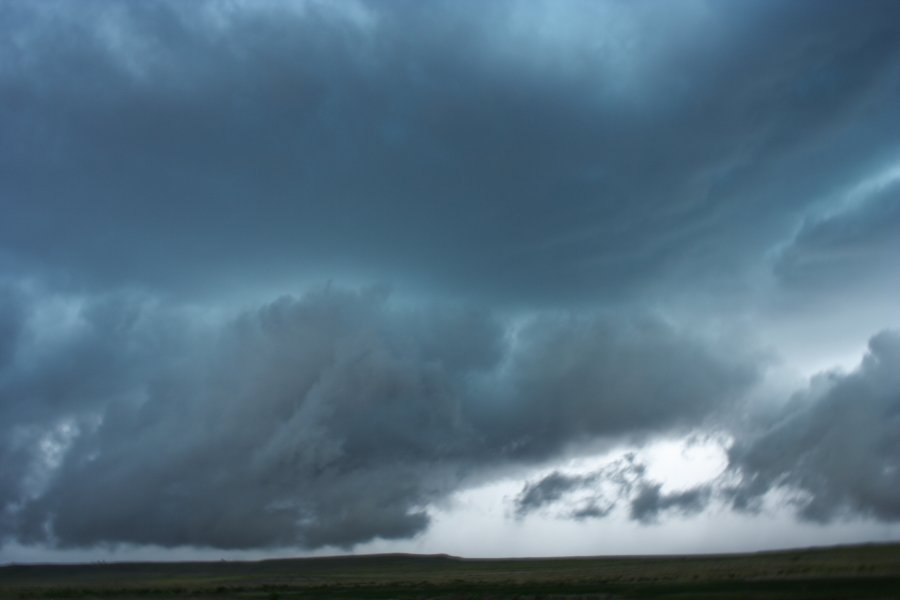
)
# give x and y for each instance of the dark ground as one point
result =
(866, 571)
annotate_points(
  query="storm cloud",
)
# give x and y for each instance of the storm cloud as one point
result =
(328, 419)
(294, 274)
(835, 445)
(529, 153)
(830, 452)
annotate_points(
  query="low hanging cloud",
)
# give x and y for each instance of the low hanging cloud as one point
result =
(651, 501)
(835, 445)
(596, 494)
(832, 450)
(329, 419)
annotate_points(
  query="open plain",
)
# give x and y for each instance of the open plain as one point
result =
(863, 571)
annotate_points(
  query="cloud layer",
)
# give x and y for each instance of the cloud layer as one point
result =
(294, 273)
(529, 153)
(328, 419)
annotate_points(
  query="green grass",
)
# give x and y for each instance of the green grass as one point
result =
(866, 571)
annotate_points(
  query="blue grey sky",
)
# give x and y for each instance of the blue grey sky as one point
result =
(310, 277)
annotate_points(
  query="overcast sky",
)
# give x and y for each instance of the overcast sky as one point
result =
(488, 278)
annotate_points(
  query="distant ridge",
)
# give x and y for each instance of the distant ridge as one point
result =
(389, 556)
(376, 556)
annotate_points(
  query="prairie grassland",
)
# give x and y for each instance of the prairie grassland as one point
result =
(865, 571)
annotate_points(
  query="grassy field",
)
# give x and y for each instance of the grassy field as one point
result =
(866, 571)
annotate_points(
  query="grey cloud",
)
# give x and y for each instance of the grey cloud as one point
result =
(329, 419)
(609, 376)
(583, 496)
(304, 422)
(650, 501)
(595, 495)
(61, 374)
(835, 445)
(186, 145)
(546, 491)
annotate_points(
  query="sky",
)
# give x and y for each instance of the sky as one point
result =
(507, 278)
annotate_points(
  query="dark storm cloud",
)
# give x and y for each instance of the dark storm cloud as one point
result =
(59, 371)
(528, 151)
(330, 419)
(610, 374)
(834, 446)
